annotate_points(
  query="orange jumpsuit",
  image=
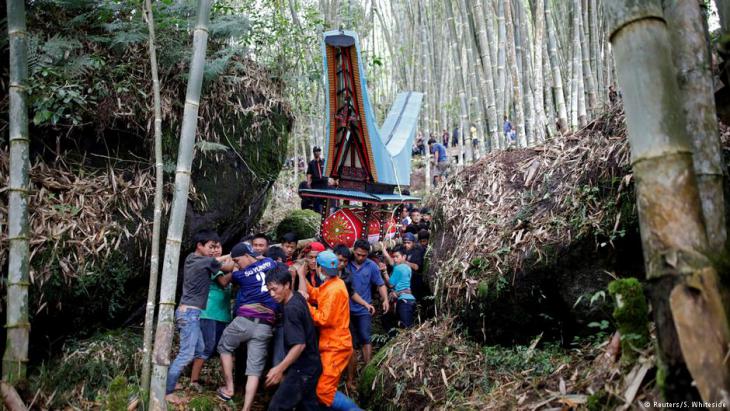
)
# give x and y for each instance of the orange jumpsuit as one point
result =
(332, 318)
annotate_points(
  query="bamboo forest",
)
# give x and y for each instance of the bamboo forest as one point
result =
(365, 205)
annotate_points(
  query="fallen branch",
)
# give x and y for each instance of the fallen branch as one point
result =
(11, 399)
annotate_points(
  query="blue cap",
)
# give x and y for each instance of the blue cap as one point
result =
(241, 249)
(328, 261)
(409, 237)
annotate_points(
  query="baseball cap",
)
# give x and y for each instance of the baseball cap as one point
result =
(328, 261)
(409, 237)
(316, 148)
(241, 249)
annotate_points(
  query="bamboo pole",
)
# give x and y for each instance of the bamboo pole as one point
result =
(459, 73)
(165, 323)
(519, 120)
(15, 358)
(555, 65)
(487, 82)
(149, 317)
(692, 60)
(692, 328)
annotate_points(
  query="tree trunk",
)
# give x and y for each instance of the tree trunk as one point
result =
(538, 70)
(578, 87)
(555, 64)
(487, 82)
(459, 73)
(692, 328)
(519, 120)
(165, 323)
(589, 83)
(694, 77)
(15, 359)
(502, 109)
(149, 318)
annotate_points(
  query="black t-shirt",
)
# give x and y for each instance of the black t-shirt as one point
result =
(414, 228)
(299, 329)
(415, 256)
(196, 279)
(316, 169)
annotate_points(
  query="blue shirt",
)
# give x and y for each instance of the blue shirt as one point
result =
(507, 126)
(441, 150)
(363, 279)
(401, 280)
(252, 289)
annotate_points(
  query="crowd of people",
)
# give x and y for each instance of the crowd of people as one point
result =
(301, 315)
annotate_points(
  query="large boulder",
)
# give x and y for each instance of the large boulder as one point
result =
(93, 174)
(527, 240)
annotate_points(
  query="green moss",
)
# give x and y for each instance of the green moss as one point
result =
(600, 401)
(119, 394)
(631, 313)
(369, 373)
(205, 402)
(304, 223)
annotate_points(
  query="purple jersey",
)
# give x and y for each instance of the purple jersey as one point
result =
(253, 299)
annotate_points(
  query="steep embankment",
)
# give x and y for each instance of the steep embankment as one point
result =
(525, 242)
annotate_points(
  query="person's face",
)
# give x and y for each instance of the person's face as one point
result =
(342, 262)
(426, 217)
(404, 213)
(399, 258)
(360, 255)
(416, 217)
(289, 248)
(312, 259)
(317, 154)
(217, 250)
(260, 245)
(408, 244)
(279, 292)
(244, 261)
(208, 249)
(423, 242)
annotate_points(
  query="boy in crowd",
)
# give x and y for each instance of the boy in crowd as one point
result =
(297, 374)
(426, 217)
(416, 224)
(277, 254)
(365, 275)
(289, 244)
(260, 243)
(253, 323)
(423, 238)
(414, 259)
(330, 311)
(199, 266)
(399, 284)
(309, 266)
(213, 320)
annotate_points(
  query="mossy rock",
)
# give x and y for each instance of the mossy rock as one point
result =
(372, 395)
(303, 223)
(631, 316)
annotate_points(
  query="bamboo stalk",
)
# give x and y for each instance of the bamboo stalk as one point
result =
(694, 78)
(149, 317)
(692, 328)
(165, 323)
(519, 120)
(15, 358)
(555, 65)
